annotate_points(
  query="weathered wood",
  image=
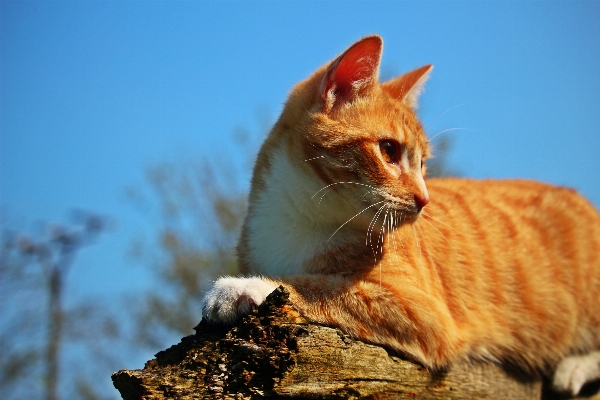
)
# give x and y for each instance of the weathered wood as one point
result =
(274, 352)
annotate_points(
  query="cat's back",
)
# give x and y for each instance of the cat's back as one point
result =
(523, 217)
(521, 255)
(513, 199)
(520, 242)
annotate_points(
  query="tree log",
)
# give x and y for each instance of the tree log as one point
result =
(274, 352)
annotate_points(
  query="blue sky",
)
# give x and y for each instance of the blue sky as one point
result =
(92, 93)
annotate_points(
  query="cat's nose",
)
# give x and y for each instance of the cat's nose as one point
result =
(421, 200)
(420, 192)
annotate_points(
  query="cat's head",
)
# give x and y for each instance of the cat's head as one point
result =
(357, 136)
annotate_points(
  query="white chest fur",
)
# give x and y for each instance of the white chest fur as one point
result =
(290, 221)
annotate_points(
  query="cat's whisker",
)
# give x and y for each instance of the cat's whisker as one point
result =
(378, 245)
(372, 226)
(346, 183)
(441, 114)
(417, 241)
(394, 241)
(381, 238)
(344, 224)
(366, 193)
(338, 183)
(435, 227)
(381, 233)
(426, 214)
(384, 236)
(320, 199)
(438, 157)
(314, 158)
(448, 130)
(390, 235)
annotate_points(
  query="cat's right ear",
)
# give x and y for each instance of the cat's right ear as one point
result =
(409, 86)
(352, 73)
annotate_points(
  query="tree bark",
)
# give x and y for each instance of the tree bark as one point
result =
(274, 352)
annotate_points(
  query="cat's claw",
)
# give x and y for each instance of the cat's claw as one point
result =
(575, 371)
(231, 298)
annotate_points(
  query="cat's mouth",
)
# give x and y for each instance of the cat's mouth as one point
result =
(411, 215)
(404, 206)
(401, 210)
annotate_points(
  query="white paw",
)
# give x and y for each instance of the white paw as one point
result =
(575, 371)
(232, 298)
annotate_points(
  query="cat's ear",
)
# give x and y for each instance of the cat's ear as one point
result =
(409, 86)
(353, 73)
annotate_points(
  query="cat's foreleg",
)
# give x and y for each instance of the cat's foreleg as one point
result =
(575, 371)
(408, 321)
(321, 298)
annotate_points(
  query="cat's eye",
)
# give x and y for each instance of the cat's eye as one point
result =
(389, 151)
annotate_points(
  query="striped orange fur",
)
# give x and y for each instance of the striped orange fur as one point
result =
(440, 270)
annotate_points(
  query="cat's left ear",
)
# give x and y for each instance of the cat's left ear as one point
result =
(409, 86)
(353, 73)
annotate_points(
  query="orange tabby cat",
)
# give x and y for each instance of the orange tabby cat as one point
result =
(440, 270)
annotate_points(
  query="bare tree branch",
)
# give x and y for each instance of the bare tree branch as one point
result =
(275, 352)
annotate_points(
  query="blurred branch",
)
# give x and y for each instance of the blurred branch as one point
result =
(198, 210)
(54, 251)
(438, 166)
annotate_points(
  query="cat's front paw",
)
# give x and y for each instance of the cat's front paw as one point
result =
(575, 371)
(232, 298)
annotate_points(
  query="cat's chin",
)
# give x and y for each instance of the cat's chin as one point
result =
(411, 218)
